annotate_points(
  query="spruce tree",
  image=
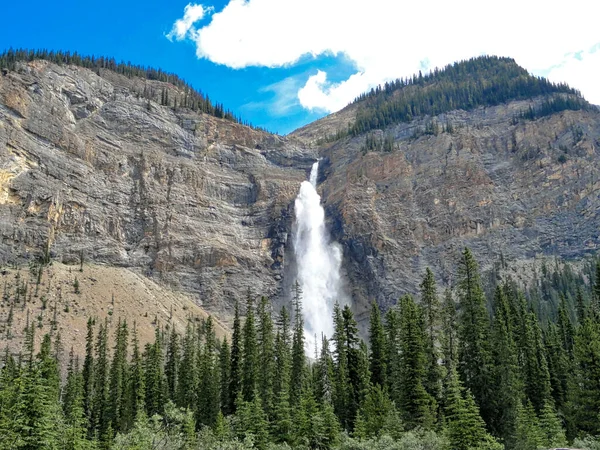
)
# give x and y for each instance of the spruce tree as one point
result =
(465, 428)
(74, 437)
(100, 400)
(529, 435)
(266, 354)
(553, 434)
(188, 372)
(449, 332)
(536, 374)
(225, 371)
(416, 405)
(392, 333)
(88, 373)
(250, 360)
(298, 357)
(559, 367)
(431, 317)
(282, 425)
(208, 389)
(474, 356)
(154, 376)
(235, 384)
(342, 387)
(377, 345)
(136, 389)
(587, 376)
(118, 378)
(507, 386)
(172, 365)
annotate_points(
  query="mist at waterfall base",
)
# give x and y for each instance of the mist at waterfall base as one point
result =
(318, 263)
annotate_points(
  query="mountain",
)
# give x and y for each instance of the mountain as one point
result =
(115, 167)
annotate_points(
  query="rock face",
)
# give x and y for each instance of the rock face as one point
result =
(505, 188)
(88, 169)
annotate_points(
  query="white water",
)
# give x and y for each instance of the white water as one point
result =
(318, 260)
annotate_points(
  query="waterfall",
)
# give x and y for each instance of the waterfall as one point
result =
(318, 262)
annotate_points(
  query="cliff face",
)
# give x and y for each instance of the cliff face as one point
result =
(505, 188)
(89, 168)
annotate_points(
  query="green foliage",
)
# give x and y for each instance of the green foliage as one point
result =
(481, 81)
(377, 345)
(416, 405)
(177, 394)
(474, 355)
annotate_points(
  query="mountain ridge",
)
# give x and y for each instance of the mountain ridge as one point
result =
(90, 166)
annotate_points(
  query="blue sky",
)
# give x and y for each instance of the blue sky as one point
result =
(283, 63)
(135, 31)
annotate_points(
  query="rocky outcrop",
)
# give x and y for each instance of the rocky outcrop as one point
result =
(90, 169)
(504, 187)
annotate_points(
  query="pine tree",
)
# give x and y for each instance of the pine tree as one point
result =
(342, 387)
(474, 355)
(235, 384)
(118, 378)
(74, 437)
(252, 421)
(587, 376)
(449, 333)
(536, 375)
(188, 372)
(324, 384)
(208, 392)
(559, 367)
(172, 365)
(529, 436)
(416, 405)
(565, 327)
(250, 360)
(392, 332)
(580, 306)
(431, 316)
(266, 354)
(100, 400)
(136, 389)
(282, 426)
(374, 412)
(225, 371)
(465, 428)
(37, 411)
(298, 358)
(154, 376)
(507, 386)
(377, 345)
(553, 434)
(88, 374)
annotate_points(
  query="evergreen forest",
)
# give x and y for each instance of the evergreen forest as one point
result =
(485, 365)
(481, 81)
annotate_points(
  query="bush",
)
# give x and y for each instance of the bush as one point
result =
(587, 443)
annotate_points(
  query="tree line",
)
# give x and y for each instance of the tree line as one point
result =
(191, 98)
(452, 371)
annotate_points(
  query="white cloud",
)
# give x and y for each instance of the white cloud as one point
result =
(184, 27)
(387, 39)
(582, 71)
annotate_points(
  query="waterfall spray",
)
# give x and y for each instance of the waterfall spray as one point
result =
(318, 260)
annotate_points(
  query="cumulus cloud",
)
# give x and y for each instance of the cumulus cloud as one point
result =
(184, 27)
(387, 39)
